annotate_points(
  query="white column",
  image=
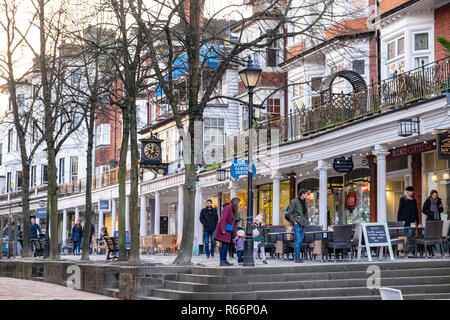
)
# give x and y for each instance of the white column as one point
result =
(77, 214)
(180, 210)
(198, 208)
(100, 222)
(323, 193)
(381, 151)
(233, 189)
(143, 218)
(276, 198)
(113, 217)
(157, 214)
(127, 213)
(64, 230)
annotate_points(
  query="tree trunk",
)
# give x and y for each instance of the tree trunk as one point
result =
(122, 183)
(52, 205)
(87, 226)
(26, 250)
(134, 181)
(184, 254)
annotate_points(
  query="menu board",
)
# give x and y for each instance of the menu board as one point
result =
(376, 234)
(444, 146)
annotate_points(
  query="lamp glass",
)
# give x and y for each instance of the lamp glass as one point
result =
(405, 127)
(446, 176)
(434, 178)
(250, 75)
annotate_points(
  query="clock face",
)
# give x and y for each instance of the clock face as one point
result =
(152, 150)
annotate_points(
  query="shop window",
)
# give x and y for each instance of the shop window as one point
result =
(421, 41)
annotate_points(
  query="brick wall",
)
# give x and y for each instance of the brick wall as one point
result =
(386, 5)
(441, 28)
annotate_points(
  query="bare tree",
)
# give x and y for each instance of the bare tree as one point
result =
(187, 31)
(23, 112)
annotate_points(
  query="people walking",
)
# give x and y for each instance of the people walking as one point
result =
(239, 243)
(232, 248)
(225, 229)
(90, 237)
(77, 235)
(407, 209)
(260, 239)
(209, 219)
(433, 206)
(298, 216)
(19, 239)
(35, 231)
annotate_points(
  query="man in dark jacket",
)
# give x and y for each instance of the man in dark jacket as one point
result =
(298, 216)
(433, 206)
(34, 228)
(209, 219)
(407, 209)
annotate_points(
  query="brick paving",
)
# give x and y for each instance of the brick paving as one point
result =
(19, 289)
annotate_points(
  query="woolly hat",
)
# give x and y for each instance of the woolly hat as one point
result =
(409, 188)
(240, 233)
(255, 233)
(258, 218)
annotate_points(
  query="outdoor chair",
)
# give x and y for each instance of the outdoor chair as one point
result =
(342, 239)
(432, 236)
(68, 246)
(396, 241)
(307, 245)
(97, 246)
(145, 243)
(355, 240)
(39, 247)
(112, 248)
(167, 243)
(445, 234)
(390, 294)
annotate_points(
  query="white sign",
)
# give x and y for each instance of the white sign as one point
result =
(291, 157)
(375, 235)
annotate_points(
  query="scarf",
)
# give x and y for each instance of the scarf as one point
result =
(434, 208)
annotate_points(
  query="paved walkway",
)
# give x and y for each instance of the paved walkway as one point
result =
(200, 260)
(19, 289)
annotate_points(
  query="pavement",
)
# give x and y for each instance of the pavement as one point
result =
(201, 260)
(19, 289)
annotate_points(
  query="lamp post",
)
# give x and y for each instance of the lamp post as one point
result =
(250, 76)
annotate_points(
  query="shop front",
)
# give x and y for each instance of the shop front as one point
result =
(265, 205)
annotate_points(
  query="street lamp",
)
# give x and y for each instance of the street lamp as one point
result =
(250, 76)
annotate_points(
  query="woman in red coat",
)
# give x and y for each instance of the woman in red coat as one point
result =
(225, 236)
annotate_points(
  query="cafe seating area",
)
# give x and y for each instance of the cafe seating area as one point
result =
(341, 242)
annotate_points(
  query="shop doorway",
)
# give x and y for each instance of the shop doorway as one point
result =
(395, 187)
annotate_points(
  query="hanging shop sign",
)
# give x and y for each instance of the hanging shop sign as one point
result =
(151, 155)
(343, 164)
(240, 168)
(416, 148)
(444, 146)
(351, 201)
(375, 235)
(41, 213)
(103, 205)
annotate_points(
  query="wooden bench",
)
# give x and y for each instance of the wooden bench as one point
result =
(113, 248)
(97, 246)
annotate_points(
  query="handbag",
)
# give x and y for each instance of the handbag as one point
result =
(229, 227)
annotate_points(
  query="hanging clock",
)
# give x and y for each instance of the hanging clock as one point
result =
(151, 151)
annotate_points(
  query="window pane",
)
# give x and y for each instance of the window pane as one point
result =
(391, 50)
(315, 83)
(401, 46)
(401, 66)
(358, 66)
(419, 61)
(421, 41)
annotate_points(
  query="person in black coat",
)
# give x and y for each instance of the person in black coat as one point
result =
(407, 210)
(209, 220)
(77, 235)
(433, 206)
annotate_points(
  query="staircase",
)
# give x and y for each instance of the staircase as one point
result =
(416, 279)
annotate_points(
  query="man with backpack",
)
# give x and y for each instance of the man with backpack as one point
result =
(298, 216)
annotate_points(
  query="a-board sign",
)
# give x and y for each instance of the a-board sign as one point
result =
(375, 234)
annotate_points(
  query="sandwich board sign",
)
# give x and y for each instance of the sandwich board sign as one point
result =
(376, 234)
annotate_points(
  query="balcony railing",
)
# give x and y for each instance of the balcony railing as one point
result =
(422, 83)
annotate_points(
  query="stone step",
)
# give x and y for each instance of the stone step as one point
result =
(429, 296)
(402, 264)
(111, 292)
(306, 284)
(295, 293)
(37, 278)
(212, 279)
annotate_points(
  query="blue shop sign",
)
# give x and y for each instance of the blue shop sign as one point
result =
(240, 168)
